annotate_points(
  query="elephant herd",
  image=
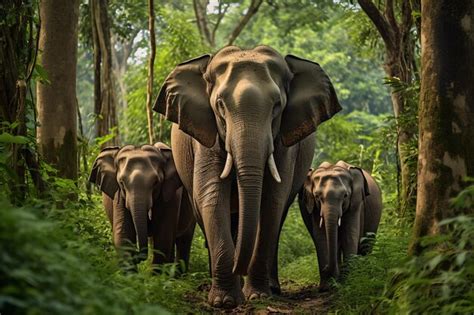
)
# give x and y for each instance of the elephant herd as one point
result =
(243, 139)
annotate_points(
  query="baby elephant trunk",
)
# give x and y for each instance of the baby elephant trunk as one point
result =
(139, 211)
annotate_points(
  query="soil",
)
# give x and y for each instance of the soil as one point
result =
(295, 299)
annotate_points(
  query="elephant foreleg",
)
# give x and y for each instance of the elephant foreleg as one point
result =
(320, 240)
(274, 280)
(350, 233)
(164, 226)
(186, 225)
(273, 205)
(212, 195)
(183, 248)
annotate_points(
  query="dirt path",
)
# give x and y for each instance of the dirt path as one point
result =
(294, 300)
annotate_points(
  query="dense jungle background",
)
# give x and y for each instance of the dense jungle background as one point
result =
(63, 100)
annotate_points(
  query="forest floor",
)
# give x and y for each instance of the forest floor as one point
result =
(295, 299)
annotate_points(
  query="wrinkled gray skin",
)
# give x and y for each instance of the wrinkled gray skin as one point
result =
(143, 197)
(339, 192)
(244, 120)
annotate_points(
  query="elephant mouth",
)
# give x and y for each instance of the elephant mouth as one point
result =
(270, 162)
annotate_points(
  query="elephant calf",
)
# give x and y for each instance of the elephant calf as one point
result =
(143, 197)
(340, 204)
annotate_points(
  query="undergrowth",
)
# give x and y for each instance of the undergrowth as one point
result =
(63, 262)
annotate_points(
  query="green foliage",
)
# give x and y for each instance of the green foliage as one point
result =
(56, 261)
(178, 40)
(439, 281)
(318, 32)
(296, 252)
(363, 140)
(365, 277)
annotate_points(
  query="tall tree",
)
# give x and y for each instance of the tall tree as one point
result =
(395, 28)
(18, 52)
(104, 88)
(57, 135)
(208, 29)
(151, 65)
(446, 146)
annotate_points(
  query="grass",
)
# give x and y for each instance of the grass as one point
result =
(62, 261)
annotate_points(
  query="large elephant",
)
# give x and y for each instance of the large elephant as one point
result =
(143, 196)
(340, 205)
(243, 140)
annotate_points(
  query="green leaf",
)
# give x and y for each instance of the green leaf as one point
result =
(461, 258)
(9, 138)
(40, 74)
(435, 262)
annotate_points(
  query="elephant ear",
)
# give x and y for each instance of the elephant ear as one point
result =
(308, 192)
(104, 173)
(184, 100)
(172, 181)
(311, 100)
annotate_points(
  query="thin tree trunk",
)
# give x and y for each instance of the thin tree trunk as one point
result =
(57, 135)
(83, 149)
(446, 146)
(200, 12)
(97, 63)
(106, 113)
(399, 60)
(151, 64)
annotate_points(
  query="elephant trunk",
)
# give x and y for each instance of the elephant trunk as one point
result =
(331, 218)
(139, 210)
(250, 160)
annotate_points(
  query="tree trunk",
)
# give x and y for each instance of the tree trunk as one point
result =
(151, 64)
(399, 62)
(57, 135)
(18, 52)
(446, 146)
(104, 91)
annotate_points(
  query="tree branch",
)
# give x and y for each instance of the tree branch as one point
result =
(379, 21)
(253, 8)
(390, 15)
(220, 16)
(201, 20)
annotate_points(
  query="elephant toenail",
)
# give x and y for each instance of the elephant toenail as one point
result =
(229, 302)
(217, 302)
(253, 296)
(263, 295)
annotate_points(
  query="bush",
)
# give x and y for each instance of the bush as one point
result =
(440, 280)
(57, 261)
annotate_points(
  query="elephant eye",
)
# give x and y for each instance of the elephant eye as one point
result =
(220, 107)
(276, 109)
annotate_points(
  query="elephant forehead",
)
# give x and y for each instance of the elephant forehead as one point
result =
(331, 177)
(250, 59)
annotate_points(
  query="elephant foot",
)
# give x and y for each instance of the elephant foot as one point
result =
(323, 288)
(225, 298)
(275, 287)
(254, 292)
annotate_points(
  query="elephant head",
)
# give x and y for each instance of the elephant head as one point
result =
(330, 193)
(247, 99)
(139, 177)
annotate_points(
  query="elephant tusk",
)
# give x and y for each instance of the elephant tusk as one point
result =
(273, 169)
(339, 221)
(321, 222)
(227, 167)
